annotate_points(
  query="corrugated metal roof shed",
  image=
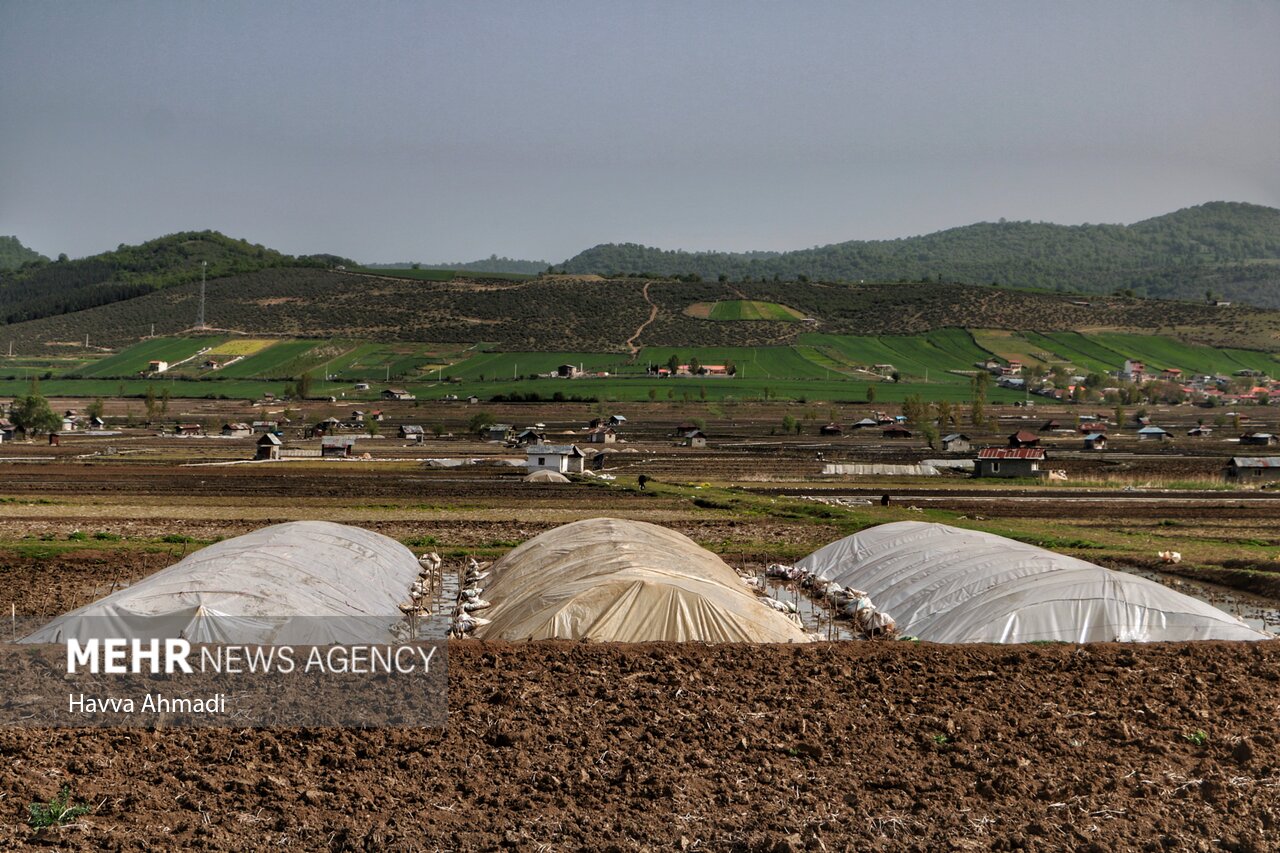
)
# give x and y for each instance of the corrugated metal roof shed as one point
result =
(1011, 453)
(1256, 461)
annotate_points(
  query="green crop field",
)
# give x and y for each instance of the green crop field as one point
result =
(284, 360)
(745, 309)
(751, 362)
(821, 366)
(1159, 351)
(505, 365)
(1079, 350)
(132, 361)
(934, 355)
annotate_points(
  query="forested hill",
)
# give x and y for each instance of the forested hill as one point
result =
(493, 263)
(13, 254)
(1229, 249)
(46, 288)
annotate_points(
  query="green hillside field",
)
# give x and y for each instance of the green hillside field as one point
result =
(937, 365)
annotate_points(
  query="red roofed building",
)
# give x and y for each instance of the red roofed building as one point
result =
(1009, 462)
(1024, 438)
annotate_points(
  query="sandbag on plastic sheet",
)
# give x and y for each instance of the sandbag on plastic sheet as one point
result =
(625, 581)
(950, 585)
(305, 582)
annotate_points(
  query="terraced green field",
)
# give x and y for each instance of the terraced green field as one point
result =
(505, 365)
(746, 309)
(132, 361)
(284, 360)
(819, 366)
(1159, 352)
(751, 362)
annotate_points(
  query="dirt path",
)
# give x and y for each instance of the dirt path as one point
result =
(653, 315)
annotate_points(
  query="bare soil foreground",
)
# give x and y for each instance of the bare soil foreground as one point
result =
(857, 746)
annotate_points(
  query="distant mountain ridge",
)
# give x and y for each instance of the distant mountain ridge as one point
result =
(1229, 249)
(493, 263)
(44, 288)
(13, 254)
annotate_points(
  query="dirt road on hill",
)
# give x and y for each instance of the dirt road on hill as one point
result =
(859, 746)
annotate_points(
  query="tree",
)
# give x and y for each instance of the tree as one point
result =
(149, 400)
(302, 387)
(164, 401)
(914, 409)
(946, 414)
(673, 363)
(371, 426)
(930, 433)
(95, 408)
(32, 414)
(789, 424)
(694, 365)
(978, 410)
(871, 393)
(730, 368)
(479, 421)
(437, 430)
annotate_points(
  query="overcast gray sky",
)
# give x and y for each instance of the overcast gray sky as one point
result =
(450, 131)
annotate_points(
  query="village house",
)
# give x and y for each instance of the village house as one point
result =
(472, 400)
(157, 366)
(188, 429)
(1095, 441)
(1009, 462)
(831, 429)
(1133, 371)
(397, 394)
(361, 386)
(96, 422)
(696, 439)
(568, 371)
(865, 422)
(496, 432)
(1092, 427)
(237, 430)
(1263, 439)
(956, 442)
(357, 417)
(326, 426)
(1024, 438)
(7, 429)
(896, 432)
(264, 426)
(564, 459)
(1200, 431)
(529, 436)
(684, 428)
(413, 432)
(602, 435)
(1171, 374)
(268, 446)
(1154, 433)
(338, 445)
(1254, 469)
